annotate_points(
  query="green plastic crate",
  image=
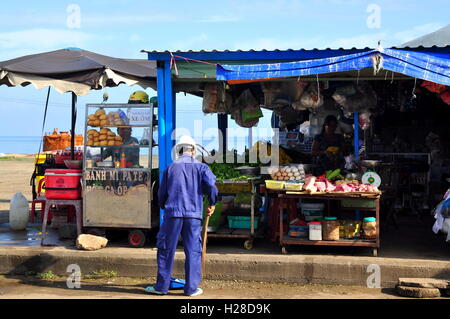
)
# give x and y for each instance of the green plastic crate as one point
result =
(242, 222)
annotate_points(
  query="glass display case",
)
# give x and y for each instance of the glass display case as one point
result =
(117, 183)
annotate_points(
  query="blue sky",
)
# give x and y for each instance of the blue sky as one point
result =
(122, 28)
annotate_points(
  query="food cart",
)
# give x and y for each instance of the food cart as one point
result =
(237, 230)
(117, 193)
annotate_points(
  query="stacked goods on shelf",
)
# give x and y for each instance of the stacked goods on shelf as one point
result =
(293, 172)
(100, 118)
(60, 141)
(104, 137)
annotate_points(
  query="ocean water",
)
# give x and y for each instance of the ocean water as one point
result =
(30, 144)
(20, 144)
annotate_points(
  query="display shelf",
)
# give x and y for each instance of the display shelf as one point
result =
(144, 169)
(342, 242)
(118, 126)
(119, 146)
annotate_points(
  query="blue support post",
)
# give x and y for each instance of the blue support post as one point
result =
(356, 134)
(356, 148)
(166, 119)
(161, 126)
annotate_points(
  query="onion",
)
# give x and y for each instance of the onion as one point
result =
(290, 174)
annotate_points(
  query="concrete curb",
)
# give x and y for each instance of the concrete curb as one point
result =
(317, 269)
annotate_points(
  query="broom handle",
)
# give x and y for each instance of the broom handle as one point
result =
(204, 238)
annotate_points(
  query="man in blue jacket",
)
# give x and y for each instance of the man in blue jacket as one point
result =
(181, 196)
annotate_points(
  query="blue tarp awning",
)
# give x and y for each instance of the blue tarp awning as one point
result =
(431, 66)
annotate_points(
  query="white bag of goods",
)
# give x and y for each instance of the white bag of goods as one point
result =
(215, 99)
(18, 212)
(311, 98)
(355, 98)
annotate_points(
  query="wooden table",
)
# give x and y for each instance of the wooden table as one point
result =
(374, 244)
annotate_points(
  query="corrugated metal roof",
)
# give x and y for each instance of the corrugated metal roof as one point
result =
(295, 50)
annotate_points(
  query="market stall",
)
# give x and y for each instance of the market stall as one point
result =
(356, 86)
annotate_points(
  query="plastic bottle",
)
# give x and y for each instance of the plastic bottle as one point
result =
(117, 159)
(123, 160)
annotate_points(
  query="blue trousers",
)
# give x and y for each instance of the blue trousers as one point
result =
(167, 240)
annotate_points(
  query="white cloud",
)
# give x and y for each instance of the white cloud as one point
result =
(43, 39)
(417, 31)
(219, 18)
(277, 43)
(197, 42)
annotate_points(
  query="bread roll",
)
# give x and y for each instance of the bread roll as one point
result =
(103, 117)
(103, 143)
(95, 123)
(102, 137)
(100, 112)
(111, 143)
(118, 138)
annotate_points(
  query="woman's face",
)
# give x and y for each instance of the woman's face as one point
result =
(330, 127)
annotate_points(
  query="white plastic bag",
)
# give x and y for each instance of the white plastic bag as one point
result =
(18, 212)
(311, 98)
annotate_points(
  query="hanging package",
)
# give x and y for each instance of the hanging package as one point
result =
(215, 98)
(279, 94)
(434, 87)
(246, 110)
(355, 98)
(445, 96)
(311, 98)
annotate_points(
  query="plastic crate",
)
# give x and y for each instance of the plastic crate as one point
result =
(294, 185)
(242, 222)
(276, 185)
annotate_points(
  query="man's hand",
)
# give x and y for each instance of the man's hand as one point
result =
(210, 210)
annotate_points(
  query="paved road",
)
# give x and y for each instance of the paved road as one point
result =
(29, 287)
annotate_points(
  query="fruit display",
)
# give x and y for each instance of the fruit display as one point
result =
(100, 118)
(293, 172)
(104, 137)
(283, 157)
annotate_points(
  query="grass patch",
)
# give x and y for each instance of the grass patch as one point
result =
(98, 274)
(49, 275)
(13, 158)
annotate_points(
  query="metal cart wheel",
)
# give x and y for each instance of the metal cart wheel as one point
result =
(248, 244)
(96, 232)
(136, 238)
(284, 250)
(375, 252)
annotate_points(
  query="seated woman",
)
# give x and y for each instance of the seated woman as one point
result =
(327, 148)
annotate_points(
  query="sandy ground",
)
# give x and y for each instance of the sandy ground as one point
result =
(32, 288)
(15, 177)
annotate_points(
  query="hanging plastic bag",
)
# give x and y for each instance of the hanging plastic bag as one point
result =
(311, 98)
(434, 87)
(445, 96)
(364, 120)
(246, 111)
(355, 98)
(214, 98)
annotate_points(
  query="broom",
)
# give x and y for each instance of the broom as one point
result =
(204, 238)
